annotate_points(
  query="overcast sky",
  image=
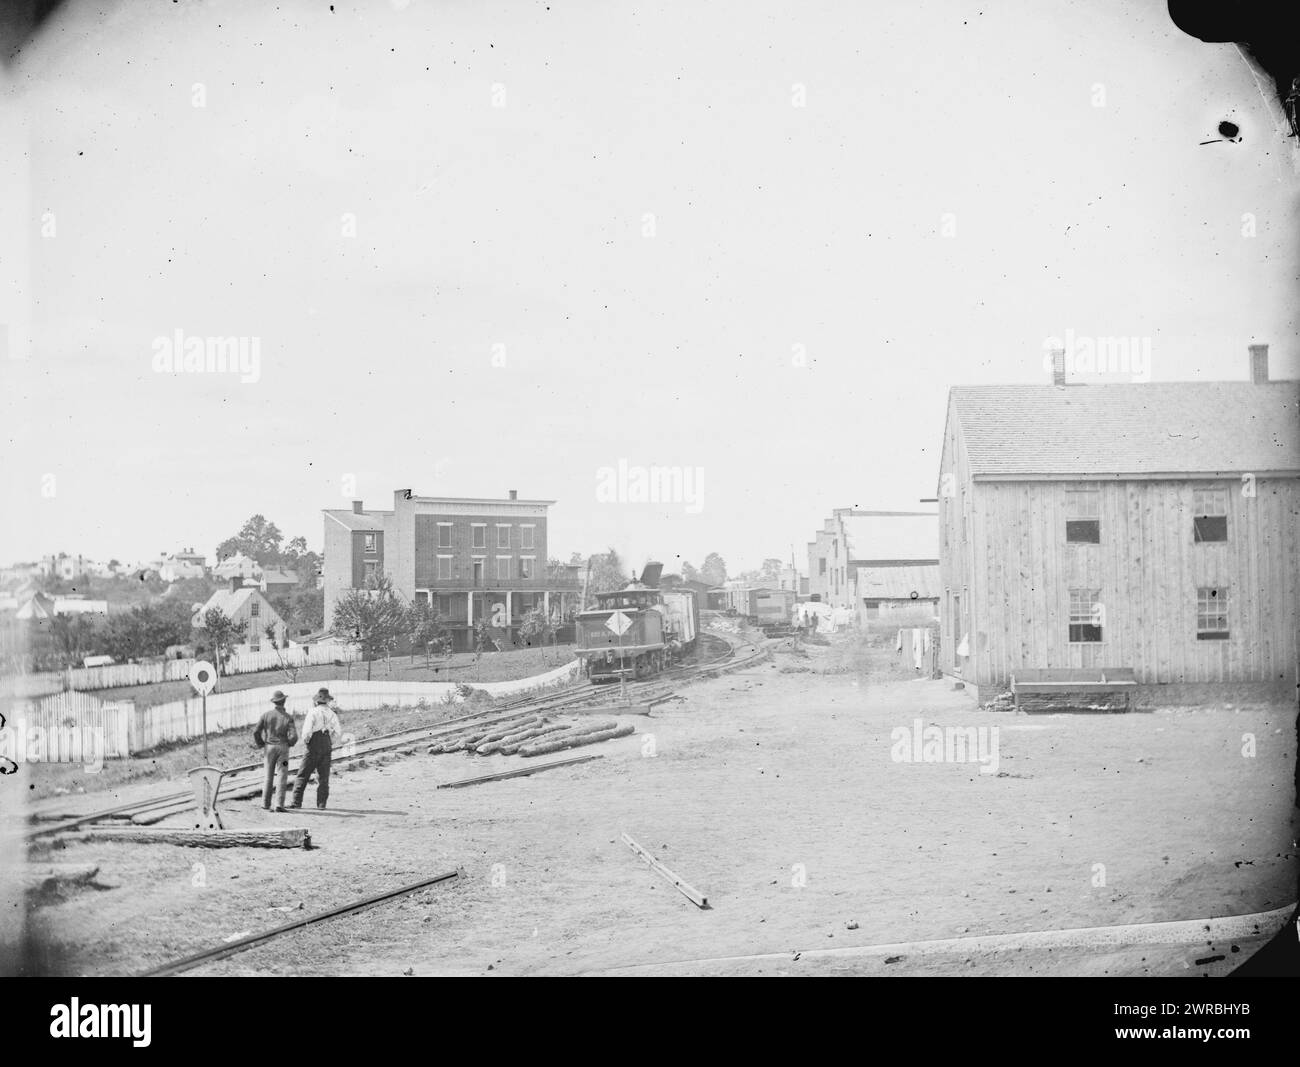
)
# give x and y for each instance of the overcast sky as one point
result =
(962, 181)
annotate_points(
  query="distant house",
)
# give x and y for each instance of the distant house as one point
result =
(71, 605)
(910, 585)
(275, 583)
(1149, 526)
(184, 564)
(238, 566)
(247, 604)
(853, 541)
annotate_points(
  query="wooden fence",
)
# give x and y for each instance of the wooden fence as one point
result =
(68, 727)
(85, 679)
(182, 720)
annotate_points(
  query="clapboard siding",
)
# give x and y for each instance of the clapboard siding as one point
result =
(1147, 569)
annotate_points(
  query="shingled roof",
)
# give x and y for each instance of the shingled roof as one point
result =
(1177, 428)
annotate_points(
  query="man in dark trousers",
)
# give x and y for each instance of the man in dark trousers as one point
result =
(277, 734)
(320, 730)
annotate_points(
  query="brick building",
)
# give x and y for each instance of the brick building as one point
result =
(470, 559)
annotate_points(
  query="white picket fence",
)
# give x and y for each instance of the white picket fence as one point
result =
(182, 720)
(84, 679)
(68, 727)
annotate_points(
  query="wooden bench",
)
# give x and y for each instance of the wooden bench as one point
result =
(1057, 680)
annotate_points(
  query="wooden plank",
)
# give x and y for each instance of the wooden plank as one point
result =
(297, 837)
(688, 891)
(521, 772)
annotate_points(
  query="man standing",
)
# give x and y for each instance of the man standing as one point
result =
(277, 734)
(320, 730)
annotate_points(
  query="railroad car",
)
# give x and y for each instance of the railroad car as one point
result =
(767, 608)
(658, 629)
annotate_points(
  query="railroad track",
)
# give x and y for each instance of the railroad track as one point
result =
(246, 779)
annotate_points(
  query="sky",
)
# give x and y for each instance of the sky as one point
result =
(484, 247)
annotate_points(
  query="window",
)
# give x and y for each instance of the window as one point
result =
(503, 536)
(1083, 517)
(370, 543)
(1212, 614)
(480, 535)
(1209, 515)
(526, 537)
(503, 566)
(444, 606)
(372, 572)
(478, 570)
(526, 566)
(1085, 615)
(255, 608)
(444, 568)
(422, 597)
(444, 535)
(255, 643)
(821, 566)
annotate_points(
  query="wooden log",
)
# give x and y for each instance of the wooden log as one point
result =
(48, 877)
(577, 740)
(688, 891)
(297, 837)
(519, 772)
(511, 742)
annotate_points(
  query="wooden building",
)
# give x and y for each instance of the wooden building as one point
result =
(1150, 526)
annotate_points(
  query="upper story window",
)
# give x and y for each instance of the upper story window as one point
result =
(444, 568)
(1086, 615)
(503, 566)
(821, 565)
(526, 537)
(503, 537)
(371, 542)
(255, 608)
(526, 567)
(1212, 614)
(1083, 516)
(444, 535)
(1209, 515)
(372, 572)
(480, 535)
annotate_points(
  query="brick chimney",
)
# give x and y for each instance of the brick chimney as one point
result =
(1259, 364)
(514, 494)
(356, 507)
(1058, 366)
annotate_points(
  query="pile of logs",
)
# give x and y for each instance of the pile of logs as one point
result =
(531, 736)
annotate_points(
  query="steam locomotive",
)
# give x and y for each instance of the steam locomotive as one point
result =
(638, 630)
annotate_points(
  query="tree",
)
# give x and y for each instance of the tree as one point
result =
(425, 630)
(223, 633)
(74, 634)
(147, 630)
(714, 569)
(536, 629)
(307, 609)
(258, 539)
(607, 573)
(372, 618)
(771, 572)
(689, 573)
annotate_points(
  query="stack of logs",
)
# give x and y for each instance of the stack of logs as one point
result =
(532, 736)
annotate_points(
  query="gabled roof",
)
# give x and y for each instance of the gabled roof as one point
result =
(280, 577)
(895, 535)
(366, 522)
(899, 583)
(1153, 428)
(230, 601)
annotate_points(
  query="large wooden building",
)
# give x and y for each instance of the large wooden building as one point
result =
(1149, 526)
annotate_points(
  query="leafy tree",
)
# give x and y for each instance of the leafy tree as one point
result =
(306, 609)
(425, 630)
(147, 630)
(771, 572)
(714, 569)
(607, 573)
(223, 633)
(75, 635)
(258, 539)
(689, 573)
(536, 629)
(372, 618)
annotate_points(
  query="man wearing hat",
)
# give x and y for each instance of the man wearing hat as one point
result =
(320, 730)
(277, 734)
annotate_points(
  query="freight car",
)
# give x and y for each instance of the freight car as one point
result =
(638, 630)
(766, 608)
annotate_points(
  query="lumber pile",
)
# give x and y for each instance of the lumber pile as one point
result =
(576, 737)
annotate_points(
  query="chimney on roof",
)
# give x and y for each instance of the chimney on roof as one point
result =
(1058, 366)
(1259, 364)
(356, 507)
(514, 494)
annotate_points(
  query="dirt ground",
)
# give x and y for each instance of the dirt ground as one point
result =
(776, 792)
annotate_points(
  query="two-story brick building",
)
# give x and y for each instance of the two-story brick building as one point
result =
(1148, 526)
(471, 559)
(859, 557)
